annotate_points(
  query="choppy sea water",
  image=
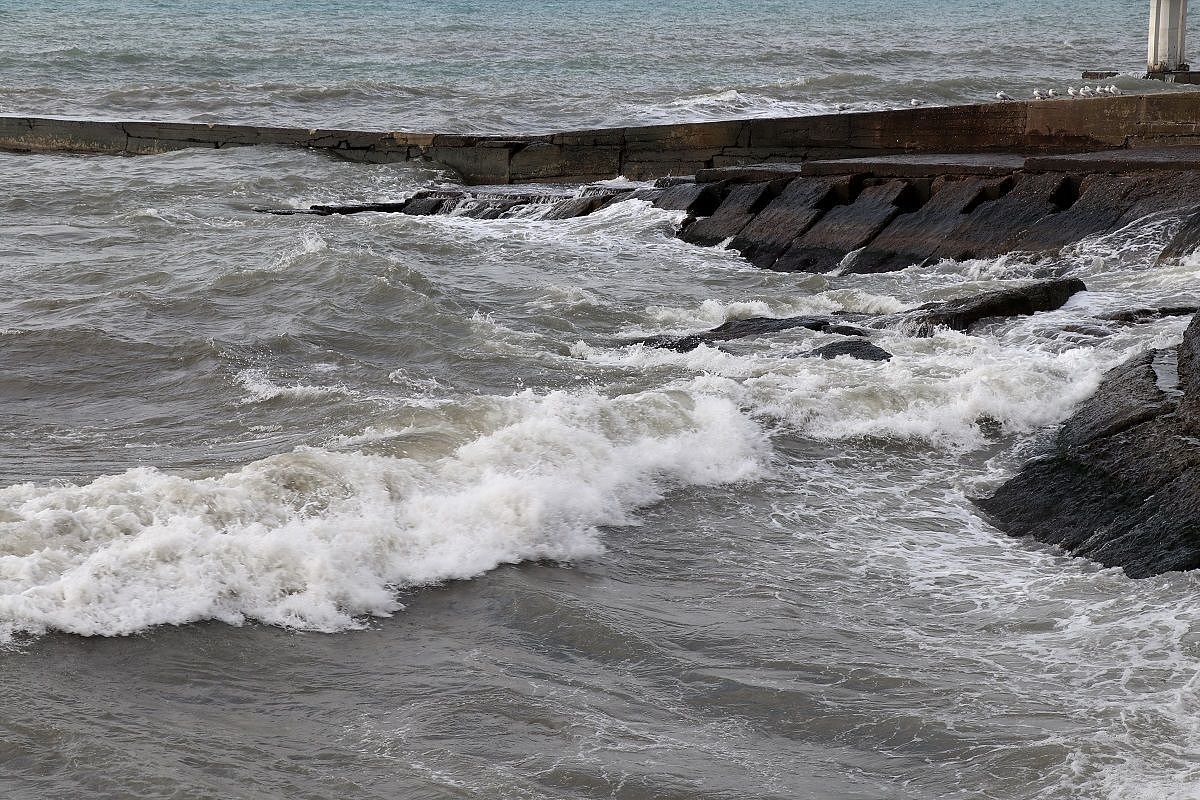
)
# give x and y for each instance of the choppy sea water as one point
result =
(538, 65)
(383, 507)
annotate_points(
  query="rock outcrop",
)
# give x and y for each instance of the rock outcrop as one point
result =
(1120, 484)
(1017, 301)
(754, 326)
(960, 314)
(862, 349)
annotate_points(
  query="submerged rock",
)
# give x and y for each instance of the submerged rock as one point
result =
(958, 314)
(755, 326)
(1120, 484)
(1134, 316)
(855, 348)
(1018, 301)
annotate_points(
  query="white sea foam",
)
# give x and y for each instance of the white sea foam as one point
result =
(309, 244)
(935, 390)
(262, 389)
(316, 539)
(712, 312)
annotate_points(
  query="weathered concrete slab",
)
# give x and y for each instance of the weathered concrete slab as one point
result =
(695, 199)
(1159, 191)
(577, 206)
(1035, 128)
(914, 237)
(986, 231)
(790, 214)
(1102, 201)
(750, 173)
(1106, 202)
(736, 211)
(919, 166)
(1119, 161)
(845, 228)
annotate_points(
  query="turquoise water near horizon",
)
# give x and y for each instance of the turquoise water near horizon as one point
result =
(544, 64)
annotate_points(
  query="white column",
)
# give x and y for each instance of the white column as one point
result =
(1168, 27)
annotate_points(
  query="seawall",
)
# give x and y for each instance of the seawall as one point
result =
(1044, 127)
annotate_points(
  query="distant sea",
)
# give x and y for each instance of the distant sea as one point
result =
(533, 65)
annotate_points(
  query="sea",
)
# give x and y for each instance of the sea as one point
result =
(391, 508)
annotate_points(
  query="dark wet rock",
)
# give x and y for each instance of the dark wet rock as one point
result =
(985, 232)
(285, 212)
(1134, 316)
(736, 211)
(425, 206)
(915, 237)
(358, 208)
(670, 181)
(649, 194)
(845, 228)
(755, 326)
(958, 314)
(1159, 192)
(1186, 241)
(1081, 329)
(1120, 484)
(961, 314)
(789, 215)
(573, 207)
(695, 199)
(1104, 203)
(490, 208)
(855, 348)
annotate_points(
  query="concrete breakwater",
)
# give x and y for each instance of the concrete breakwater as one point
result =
(638, 153)
(868, 215)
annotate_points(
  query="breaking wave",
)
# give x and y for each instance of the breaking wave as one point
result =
(318, 539)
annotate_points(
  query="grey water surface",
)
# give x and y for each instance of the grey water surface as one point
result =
(386, 507)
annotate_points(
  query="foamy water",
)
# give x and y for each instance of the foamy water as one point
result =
(637, 572)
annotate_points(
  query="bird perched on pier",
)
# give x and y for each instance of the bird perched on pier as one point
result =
(1114, 89)
(1037, 94)
(1085, 91)
(1052, 94)
(1003, 96)
(915, 102)
(1071, 90)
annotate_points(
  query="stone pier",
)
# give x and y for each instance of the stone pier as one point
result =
(1024, 128)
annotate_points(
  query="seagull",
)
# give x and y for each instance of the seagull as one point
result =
(1101, 90)
(1052, 94)
(915, 102)
(1114, 89)
(1003, 96)
(1071, 90)
(842, 106)
(1037, 94)
(1085, 91)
